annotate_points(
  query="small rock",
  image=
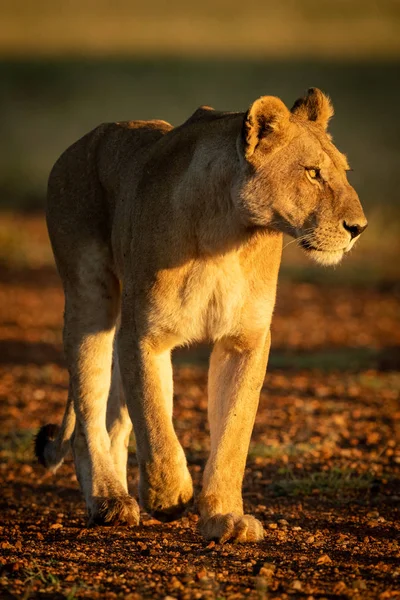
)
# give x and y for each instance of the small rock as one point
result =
(175, 583)
(152, 521)
(201, 574)
(56, 526)
(310, 539)
(296, 585)
(303, 558)
(272, 526)
(373, 524)
(324, 560)
(211, 545)
(27, 470)
(5, 545)
(339, 588)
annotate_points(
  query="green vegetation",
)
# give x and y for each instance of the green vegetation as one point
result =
(341, 359)
(326, 483)
(278, 451)
(17, 445)
(45, 577)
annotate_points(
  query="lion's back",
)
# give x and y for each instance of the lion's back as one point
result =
(87, 177)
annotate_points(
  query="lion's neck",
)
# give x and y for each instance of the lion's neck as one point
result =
(206, 197)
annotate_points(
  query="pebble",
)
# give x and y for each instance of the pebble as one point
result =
(310, 539)
(296, 585)
(324, 560)
(372, 514)
(283, 523)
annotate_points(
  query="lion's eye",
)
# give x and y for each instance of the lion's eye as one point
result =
(313, 173)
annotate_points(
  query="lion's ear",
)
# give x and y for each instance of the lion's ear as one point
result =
(265, 116)
(316, 106)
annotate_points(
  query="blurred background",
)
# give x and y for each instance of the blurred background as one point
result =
(66, 67)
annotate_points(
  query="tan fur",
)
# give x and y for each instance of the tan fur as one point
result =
(178, 233)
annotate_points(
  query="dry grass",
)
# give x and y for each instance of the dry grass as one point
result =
(259, 28)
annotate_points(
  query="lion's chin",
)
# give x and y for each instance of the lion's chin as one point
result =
(325, 258)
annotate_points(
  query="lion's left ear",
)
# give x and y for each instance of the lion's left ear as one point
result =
(266, 116)
(316, 106)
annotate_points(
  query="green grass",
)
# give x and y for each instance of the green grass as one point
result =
(35, 573)
(277, 451)
(326, 483)
(17, 445)
(380, 381)
(341, 359)
(50, 583)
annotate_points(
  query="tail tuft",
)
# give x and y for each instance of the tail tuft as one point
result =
(46, 434)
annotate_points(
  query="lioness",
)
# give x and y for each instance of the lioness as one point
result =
(165, 236)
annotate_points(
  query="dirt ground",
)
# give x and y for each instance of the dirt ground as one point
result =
(323, 472)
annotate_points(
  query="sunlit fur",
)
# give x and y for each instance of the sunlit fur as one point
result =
(325, 258)
(279, 190)
(164, 236)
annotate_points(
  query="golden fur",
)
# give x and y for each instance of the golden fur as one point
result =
(165, 236)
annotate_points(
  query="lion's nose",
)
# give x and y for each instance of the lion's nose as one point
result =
(354, 230)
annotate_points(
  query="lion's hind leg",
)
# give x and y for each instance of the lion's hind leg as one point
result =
(91, 309)
(119, 424)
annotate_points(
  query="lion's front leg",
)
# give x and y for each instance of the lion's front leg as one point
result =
(235, 380)
(165, 486)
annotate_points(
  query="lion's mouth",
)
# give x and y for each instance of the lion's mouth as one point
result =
(307, 246)
(322, 256)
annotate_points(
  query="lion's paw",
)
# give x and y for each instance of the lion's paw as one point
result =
(167, 497)
(118, 510)
(232, 527)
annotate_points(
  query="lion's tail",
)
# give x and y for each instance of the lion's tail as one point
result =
(52, 442)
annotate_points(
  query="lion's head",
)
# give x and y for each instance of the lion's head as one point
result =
(294, 179)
